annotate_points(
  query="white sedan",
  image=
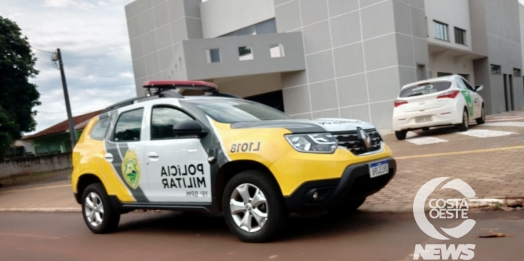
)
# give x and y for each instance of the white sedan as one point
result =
(442, 101)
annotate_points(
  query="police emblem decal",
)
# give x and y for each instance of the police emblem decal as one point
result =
(131, 169)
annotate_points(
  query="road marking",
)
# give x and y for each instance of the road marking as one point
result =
(486, 133)
(425, 140)
(37, 188)
(506, 124)
(505, 119)
(461, 152)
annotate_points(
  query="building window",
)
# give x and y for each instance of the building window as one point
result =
(213, 56)
(442, 74)
(245, 53)
(276, 50)
(441, 31)
(265, 27)
(460, 36)
(465, 76)
(495, 69)
(517, 72)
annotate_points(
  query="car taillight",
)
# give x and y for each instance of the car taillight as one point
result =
(450, 95)
(400, 102)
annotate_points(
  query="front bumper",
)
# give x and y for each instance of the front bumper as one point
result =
(354, 184)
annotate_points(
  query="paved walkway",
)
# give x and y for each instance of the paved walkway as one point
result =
(490, 158)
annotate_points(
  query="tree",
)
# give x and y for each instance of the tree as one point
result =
(18, 96)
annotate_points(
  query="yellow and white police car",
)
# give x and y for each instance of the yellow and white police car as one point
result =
(216, 153)
(449, 100)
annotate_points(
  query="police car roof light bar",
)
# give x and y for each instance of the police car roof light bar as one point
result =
(190, 85)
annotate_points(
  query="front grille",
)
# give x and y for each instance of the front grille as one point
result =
(350, 141)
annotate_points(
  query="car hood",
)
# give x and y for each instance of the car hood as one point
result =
(307, 126)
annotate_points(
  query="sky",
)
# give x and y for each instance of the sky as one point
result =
(93, 38)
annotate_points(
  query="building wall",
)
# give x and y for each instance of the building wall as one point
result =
(156, 31)
(455, 13)
(521, 12)
(504, 49)
(358, 55)
(225, 16)
(446, 63)
(250, 85)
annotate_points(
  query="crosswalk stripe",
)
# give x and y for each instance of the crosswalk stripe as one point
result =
(505, 124)
(425, 140)
(486, 133)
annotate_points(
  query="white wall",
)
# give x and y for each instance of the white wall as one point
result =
(449, 64)
(220, 17)
(451, 12)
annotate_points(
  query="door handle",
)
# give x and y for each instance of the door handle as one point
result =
(152, 156)
(109, 157)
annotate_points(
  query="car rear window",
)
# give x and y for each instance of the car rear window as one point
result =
(424, 89)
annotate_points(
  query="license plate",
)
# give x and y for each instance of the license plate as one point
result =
(422, 119)
(378, 169)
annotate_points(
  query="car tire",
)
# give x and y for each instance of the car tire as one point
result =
(401, 135)
(482, 118)
(347, 207)
(99, 215)
(464, 126)
(255, 194)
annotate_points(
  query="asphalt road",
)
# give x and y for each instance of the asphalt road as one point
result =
(177, 236)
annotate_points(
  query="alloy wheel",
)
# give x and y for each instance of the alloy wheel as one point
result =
(249, 207)
(94, 209)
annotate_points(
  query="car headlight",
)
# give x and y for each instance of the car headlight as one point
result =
(313, 143)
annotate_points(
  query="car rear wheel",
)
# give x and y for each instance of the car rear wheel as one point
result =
(253, 207)
(464, 126)
(99, 215)
(401, 135)
(482, 118)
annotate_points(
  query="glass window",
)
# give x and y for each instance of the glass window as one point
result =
(266, 27)
(245, 53)
(468, 85)
(495, 69)
(441, 31)
(99, 131)
(213, 56)
(517, 72)
(250, 30)
(128, 126)
(276, 50)
(231, 111)
(162, 121)
(424, 89)
(460, 36)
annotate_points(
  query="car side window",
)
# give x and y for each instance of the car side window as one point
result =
(461, 84)
(99, 131)
(128, 126)
(162, 121)
(466, 83)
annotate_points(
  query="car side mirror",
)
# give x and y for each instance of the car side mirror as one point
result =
(479, 88)
(189, 128)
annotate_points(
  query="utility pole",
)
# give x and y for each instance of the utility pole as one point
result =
(72, 131)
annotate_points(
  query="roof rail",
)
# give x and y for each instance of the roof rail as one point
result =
(164, 94)
(185, 85)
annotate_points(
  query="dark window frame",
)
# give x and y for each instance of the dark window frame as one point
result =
(462, 33)
(170, 107)
(498, 70)
(517, 72)
(116, 125)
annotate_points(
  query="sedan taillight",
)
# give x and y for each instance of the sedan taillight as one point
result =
(400, 102)
(450, 94)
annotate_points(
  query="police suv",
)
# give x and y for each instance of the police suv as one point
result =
(217, 153)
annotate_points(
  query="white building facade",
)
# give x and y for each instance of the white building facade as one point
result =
(330, 58)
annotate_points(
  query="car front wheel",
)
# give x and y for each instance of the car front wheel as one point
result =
(99, 215)
(482, 118)
(464, 126)
(253, 207)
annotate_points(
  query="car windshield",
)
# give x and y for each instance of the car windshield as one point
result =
(231, 111)
(424, 89)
